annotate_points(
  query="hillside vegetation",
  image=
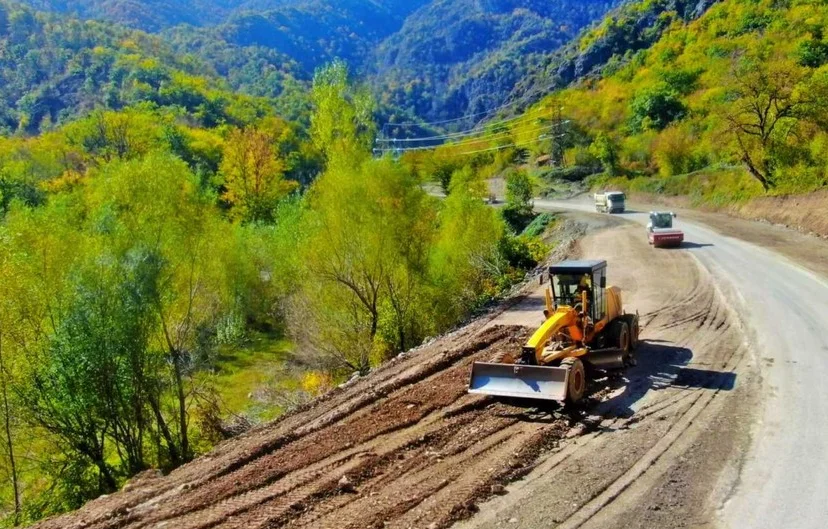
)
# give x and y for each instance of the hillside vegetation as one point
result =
(724, 108)
(456, 57)
(142, 249)
(149, 15)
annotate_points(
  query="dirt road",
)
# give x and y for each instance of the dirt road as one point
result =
(406, 447)
(784, 308)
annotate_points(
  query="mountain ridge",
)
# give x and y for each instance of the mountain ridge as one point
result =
(435, 58)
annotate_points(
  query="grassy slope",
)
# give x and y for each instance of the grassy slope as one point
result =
(247, 375)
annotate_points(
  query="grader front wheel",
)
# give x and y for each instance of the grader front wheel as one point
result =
(576, 381)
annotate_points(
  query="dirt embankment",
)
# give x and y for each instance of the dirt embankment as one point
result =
(805, 213)
(407, 447)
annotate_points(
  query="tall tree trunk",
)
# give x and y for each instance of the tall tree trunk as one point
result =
(108, 483)
(172, 446)
(175, 356)
(93, 447)
(8, 434)
(182, 404)
(754, 171)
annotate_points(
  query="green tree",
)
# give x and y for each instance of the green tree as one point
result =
(519, 207)
(605, 150)
(177, 229)
(107, 136)
(5, 393)
(769, 103)
(368, 233)
(812, 53)
(655, 108)
(89, 385)
(519, 192)
(342, 125)
(465, 255)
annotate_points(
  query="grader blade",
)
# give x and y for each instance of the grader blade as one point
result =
(521, 381)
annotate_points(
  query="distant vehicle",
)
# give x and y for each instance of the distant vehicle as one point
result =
(610, 202)
(660, 230)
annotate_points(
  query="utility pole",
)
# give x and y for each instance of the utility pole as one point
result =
(557, 137)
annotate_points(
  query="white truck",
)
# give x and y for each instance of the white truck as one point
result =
(610, 202)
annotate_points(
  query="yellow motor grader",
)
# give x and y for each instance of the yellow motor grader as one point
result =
(586, 329)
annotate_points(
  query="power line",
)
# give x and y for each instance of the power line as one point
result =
(524, 99)
(469, 116)
(484, 138)
(501, 147)
(498, 148)
(470, 132)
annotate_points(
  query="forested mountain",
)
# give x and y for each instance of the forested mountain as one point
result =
(631, 27)
(314, 32)
(720, 103)
(54, 68)
(155, 15)
(456, 57)
(150, 15)
(730, 106)
(436, 58)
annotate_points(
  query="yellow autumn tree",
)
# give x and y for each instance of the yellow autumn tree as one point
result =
(253, 175)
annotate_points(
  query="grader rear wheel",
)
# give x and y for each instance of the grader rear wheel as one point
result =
(622, 337)
(576, 381)
(635, 329)
(624, 341)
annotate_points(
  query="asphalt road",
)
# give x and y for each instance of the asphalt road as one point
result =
(784, 481)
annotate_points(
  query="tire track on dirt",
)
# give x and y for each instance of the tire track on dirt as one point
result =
(403, 409)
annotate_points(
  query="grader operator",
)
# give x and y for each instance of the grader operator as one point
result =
(585, 329)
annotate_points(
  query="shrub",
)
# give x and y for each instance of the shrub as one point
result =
(812, 53)
(519, 192)
(523, 253)
(571, 174)
(605, 150)
(675, 153)
(538, 225)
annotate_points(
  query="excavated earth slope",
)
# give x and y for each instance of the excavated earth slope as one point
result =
(407, 447)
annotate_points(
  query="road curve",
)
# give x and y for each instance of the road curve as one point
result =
(784, 481)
